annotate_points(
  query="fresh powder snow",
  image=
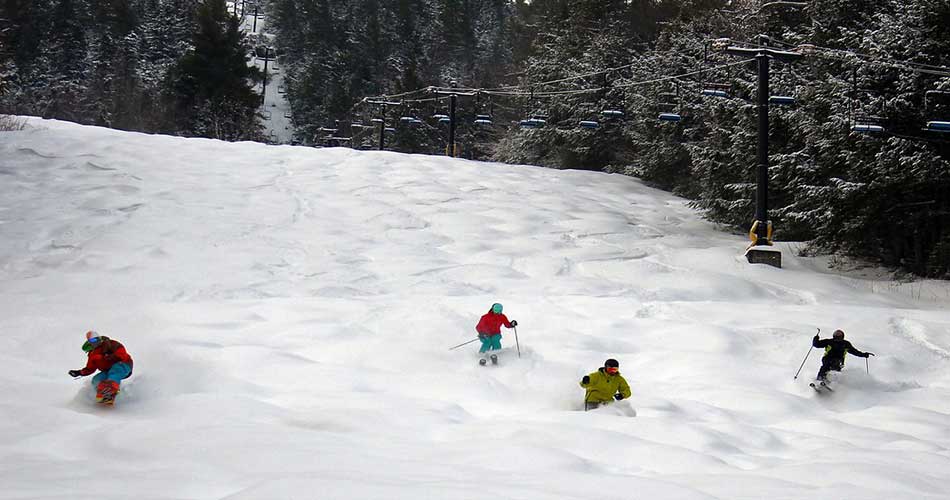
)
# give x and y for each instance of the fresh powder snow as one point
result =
(290, 312)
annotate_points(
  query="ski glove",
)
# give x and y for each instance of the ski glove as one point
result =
(868, 354)
(816, 338)
(514, 323)
(482, 336)
(585, 380)
(75, 373)
(618, 396)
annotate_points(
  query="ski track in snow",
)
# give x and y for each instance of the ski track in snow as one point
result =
(290, 312)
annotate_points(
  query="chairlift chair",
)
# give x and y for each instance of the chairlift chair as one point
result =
(533, 122)
(710, 89)
(483, 120)
(865, 124)
(781, 100)
(868, 115)
(668, 104)
(536, 118)
(440, 113)
(941, 126)
(720, 90)
(867, 128)
(938, 126)
(784, 99)
(590, 122)
(612, 114)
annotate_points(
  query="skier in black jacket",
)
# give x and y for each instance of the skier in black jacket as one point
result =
(835, 350)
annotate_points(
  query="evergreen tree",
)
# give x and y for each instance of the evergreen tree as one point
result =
(212, 82)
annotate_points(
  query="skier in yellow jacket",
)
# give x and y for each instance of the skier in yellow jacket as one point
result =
(604, 385)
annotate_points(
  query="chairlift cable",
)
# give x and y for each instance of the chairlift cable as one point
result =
(567, 79)
(512, 91)
(841, 54)
(691, 73)
(623, 85)
(393, 96)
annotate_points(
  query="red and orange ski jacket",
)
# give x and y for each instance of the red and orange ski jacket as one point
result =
(106, 354)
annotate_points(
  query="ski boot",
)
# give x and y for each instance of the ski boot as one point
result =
(483, 361)
(494, 359)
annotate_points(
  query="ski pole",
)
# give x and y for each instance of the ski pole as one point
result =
(463, 343)
(517, 344)
(806, 359)
(867, 365)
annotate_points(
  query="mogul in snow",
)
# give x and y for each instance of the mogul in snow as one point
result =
(605, 385)
(113, 362)
(489, 332)
(835, 350)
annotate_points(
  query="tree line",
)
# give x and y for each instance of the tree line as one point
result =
(179, 66)
(164, 66)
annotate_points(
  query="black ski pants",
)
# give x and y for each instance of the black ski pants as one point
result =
(828, 364)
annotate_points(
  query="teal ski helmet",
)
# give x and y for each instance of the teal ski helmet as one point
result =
(496, 308)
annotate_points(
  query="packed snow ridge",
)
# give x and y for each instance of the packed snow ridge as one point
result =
(290, 312)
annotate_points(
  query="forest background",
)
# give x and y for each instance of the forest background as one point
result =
(181, 67)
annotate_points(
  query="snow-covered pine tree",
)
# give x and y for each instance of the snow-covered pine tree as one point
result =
(212, 83)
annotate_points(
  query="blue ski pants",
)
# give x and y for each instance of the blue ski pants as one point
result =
(118, 372)
(490, 343)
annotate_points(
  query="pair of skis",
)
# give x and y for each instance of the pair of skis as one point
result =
(821, 386)
(484, 361)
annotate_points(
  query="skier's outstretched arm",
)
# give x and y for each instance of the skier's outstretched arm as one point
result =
(860, 354)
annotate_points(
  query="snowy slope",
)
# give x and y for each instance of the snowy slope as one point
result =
(290, 312)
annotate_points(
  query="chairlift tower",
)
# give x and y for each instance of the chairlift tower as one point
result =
(450, 149)
(267, 58)
(382, 119)
(761, 232)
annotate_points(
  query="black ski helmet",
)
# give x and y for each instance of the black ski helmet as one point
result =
(611, 363)
(838, 335)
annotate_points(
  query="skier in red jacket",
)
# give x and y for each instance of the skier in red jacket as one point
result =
(111, 359)
(489, 332)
